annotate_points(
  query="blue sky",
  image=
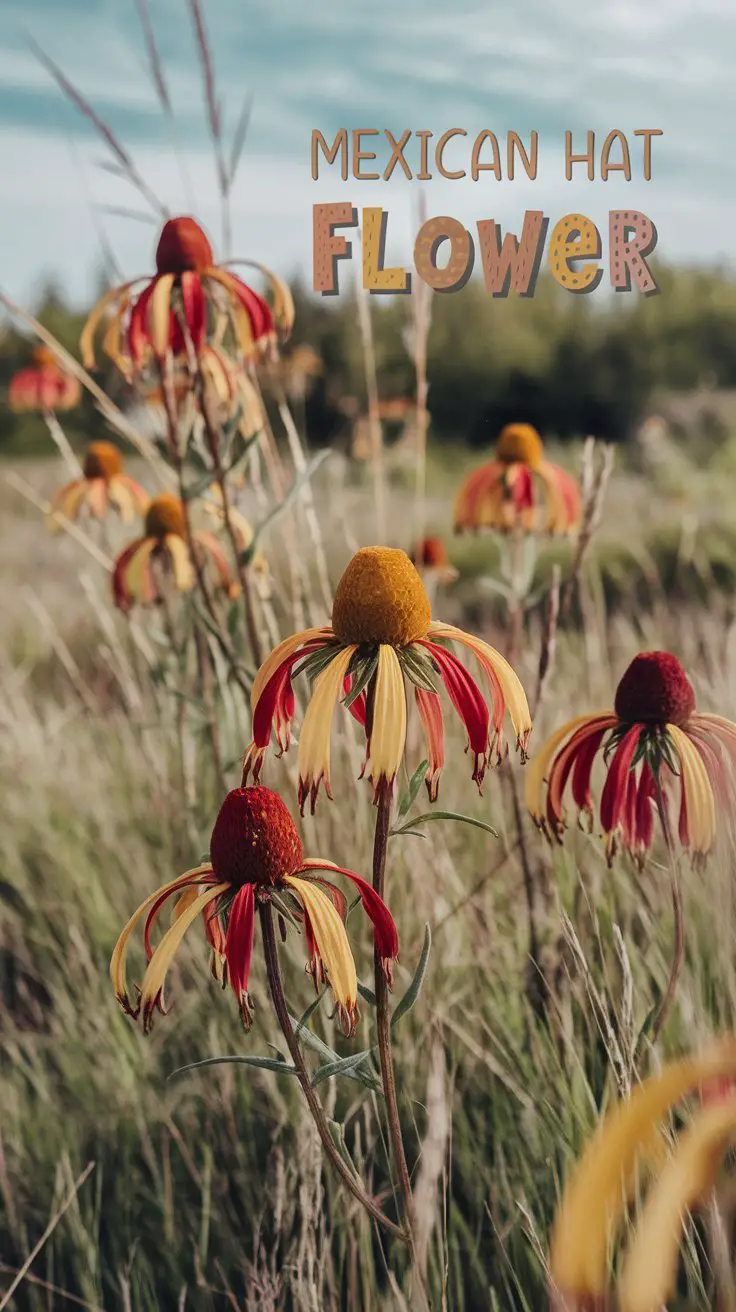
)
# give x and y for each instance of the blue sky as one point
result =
(515, 64)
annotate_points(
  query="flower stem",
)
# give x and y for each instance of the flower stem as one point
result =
(275, 985)
(383, 1024)
(676, 890)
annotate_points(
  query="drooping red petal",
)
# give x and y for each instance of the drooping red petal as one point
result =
(239, 945)
(195, 308)
(430, 710)
(578, 752)
(644, 820)
(121, 593)
(613, 798)
(385, 932)
(257, 309)
(186, 881)
(519, 484)
(468, 701)
(138, 335)
(276, 702)
(357, 708)
(583, 768)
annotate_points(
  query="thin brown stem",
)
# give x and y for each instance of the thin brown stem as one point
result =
(273, 972)
(383, 1024)
(676, 891)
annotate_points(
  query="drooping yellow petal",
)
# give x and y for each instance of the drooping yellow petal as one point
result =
(699, 800)
(137, 574)
(155, 975)
(388, 728)
(603, 1180)
(181, 562)
(281, 654)
(314, 740)
(649, 1271)
(117, 961)
(86, 341)
(536, 771)
(66, 501)
(511, 688)
(159, 313)
(122, 497)
(241, 322)
(331, 939)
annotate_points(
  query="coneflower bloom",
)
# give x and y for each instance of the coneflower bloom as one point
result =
(654, 735)
(433, 562)
(256, 856)
(102, 486)
(162, 555)
(382, 634)
(43, 385)
(188, 290)
(504, 494)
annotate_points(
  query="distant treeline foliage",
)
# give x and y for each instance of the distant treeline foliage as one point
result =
(569, 365)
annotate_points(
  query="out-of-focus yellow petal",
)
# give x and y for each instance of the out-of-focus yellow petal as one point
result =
(181, 562)
(159, 313)
(511, 687)
(86, 341)
(332, 941)
(137, 575)
(153, 980)
(122, 497)
(241, 322)
(699, 800)
(603, 1181)
(388, 727)
(649, 1272)
(314, 740)
(536, 771)
(117, 961)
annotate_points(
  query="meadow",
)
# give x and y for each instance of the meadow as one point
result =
(209, 1190)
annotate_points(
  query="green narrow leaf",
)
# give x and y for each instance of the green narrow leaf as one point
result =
(444, 815)
(361, 678)
(328, 1055)
(343, 1066)
(407, 800)
(307, 1015)
(296, 487)
(367, 994)
(414, 989)
(278, 1064)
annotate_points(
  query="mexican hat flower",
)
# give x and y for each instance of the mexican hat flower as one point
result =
(653, 738)
(432, 560)
(606, 1179)
(519, 490)
(103, 485)
(382, 638)
(43, 385)
(162, 556)
(256, 856)
(175, 308)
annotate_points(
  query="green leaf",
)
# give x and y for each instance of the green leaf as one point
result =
(367, 994)
(418, 668)
(414, 989)
(343, 1066)
(312, 1040)
(443, 815)
(407, 800)
(307, 1015)
(280, 1065)
(406, 833)
(361, 677)
(296, 487)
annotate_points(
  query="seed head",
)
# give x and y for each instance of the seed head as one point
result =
(520, 444)
(102, 460)
(183, 247)
(254, 840)
(380, 598)
(165, 515)
(655, 690)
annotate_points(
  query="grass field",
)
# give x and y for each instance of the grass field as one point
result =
(208, 1191)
